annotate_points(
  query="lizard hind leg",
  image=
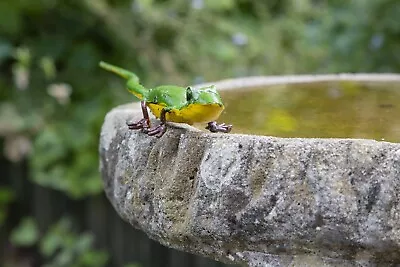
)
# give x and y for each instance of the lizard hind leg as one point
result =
(160, 129)
(143, 123)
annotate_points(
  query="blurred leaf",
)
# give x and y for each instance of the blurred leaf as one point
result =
(63, 258)
(223, 49)
(84, 57)
(21, 76)
(48, 67)
(6, 196)
(10, 19)
(11, 121)
(93, 258)
(83, 243)
(61, 92)
(26, 234)
(23, 56)
(220, 5)
(17, 148)
(143, 4)
(62, 246)
(53, 144)
(48, 144)
(50, 243)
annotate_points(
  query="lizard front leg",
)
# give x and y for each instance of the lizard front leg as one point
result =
(214, 127)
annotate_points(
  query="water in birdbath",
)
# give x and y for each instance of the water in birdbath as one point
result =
(345, 109)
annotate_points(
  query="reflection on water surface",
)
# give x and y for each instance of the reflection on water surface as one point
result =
(328, 109)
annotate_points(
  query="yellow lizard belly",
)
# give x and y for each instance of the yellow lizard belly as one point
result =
(139, 96)
(191, 114)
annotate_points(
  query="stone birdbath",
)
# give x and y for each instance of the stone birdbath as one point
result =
(310, 175)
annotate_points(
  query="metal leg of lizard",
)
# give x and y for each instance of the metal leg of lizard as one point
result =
(214, 127)
(143, 123)
(159, 130)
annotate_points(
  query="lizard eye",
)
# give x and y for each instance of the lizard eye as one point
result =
(189, 94)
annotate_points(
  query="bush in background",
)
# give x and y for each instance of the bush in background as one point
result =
(53, 96)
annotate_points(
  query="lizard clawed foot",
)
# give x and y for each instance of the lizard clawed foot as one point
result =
(214, 127)
(142, 124)
(157, 131)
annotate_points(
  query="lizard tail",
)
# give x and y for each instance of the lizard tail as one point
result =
(119, 71)
(132, 85)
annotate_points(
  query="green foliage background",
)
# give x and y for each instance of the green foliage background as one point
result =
(54, 97)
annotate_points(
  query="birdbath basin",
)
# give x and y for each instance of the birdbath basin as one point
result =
(305, 178)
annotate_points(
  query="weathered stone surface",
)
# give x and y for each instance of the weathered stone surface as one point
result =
(256, 200)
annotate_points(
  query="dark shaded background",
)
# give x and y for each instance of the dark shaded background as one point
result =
(53, 98)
